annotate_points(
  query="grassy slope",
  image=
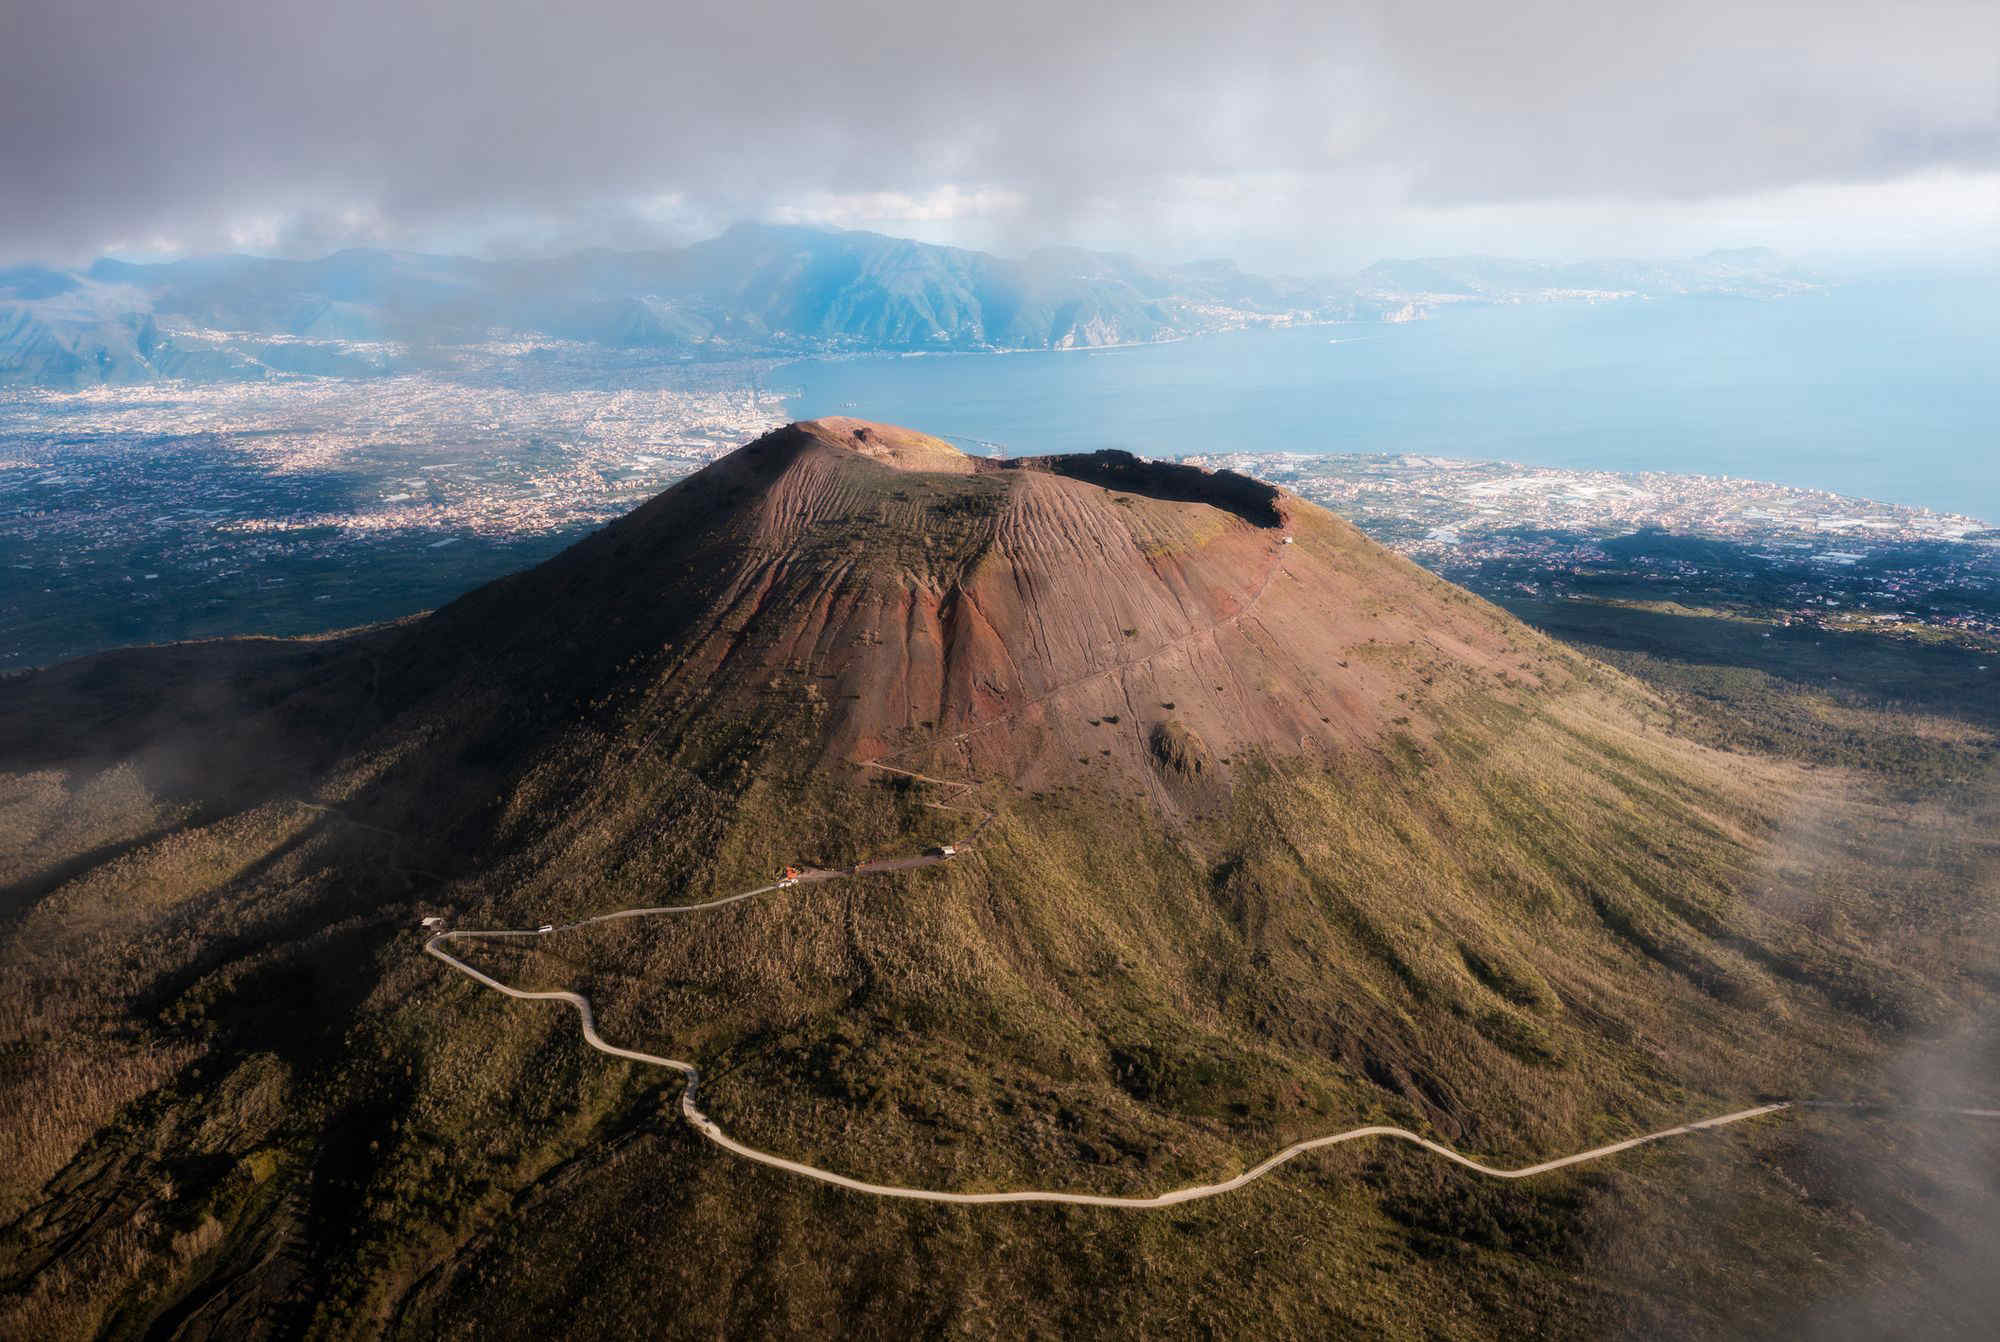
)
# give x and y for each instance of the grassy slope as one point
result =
(1067, 1009)
(1114, 1031)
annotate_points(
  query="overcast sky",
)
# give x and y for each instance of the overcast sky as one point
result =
(1286, 135)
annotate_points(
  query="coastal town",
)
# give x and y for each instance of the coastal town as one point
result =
(1512, 531)
(145, 514)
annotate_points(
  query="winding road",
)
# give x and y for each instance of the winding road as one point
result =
(710, 1129)
(713, 1131)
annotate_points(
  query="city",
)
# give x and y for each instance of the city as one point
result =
(1510, 531)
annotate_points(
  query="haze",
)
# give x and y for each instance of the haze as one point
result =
(1269, 133)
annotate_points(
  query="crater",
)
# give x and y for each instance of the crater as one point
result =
(1252, 500)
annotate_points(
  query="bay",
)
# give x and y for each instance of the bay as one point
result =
(1880, 388)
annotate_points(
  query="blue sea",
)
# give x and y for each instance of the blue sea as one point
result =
(1883, 388)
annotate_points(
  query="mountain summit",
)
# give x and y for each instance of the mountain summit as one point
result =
(1009, 617)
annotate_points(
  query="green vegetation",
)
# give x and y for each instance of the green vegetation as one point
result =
(1437, 949)
(1920, 712)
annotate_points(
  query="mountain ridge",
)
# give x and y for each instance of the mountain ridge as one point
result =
(754, 289)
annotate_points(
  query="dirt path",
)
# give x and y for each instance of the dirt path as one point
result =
(710, 1129)
(960, 790)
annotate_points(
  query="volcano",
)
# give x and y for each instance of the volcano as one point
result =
(1011, 616)
(1273, 833)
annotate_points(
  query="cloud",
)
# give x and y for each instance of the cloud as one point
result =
(949, 203)
(398, 120)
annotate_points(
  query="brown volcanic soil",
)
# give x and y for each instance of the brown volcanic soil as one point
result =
(1010, 618)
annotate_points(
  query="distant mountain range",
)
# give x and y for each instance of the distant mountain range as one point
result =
(756, 289)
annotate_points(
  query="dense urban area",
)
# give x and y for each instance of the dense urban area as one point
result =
(1748, 547)
(147, 514)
